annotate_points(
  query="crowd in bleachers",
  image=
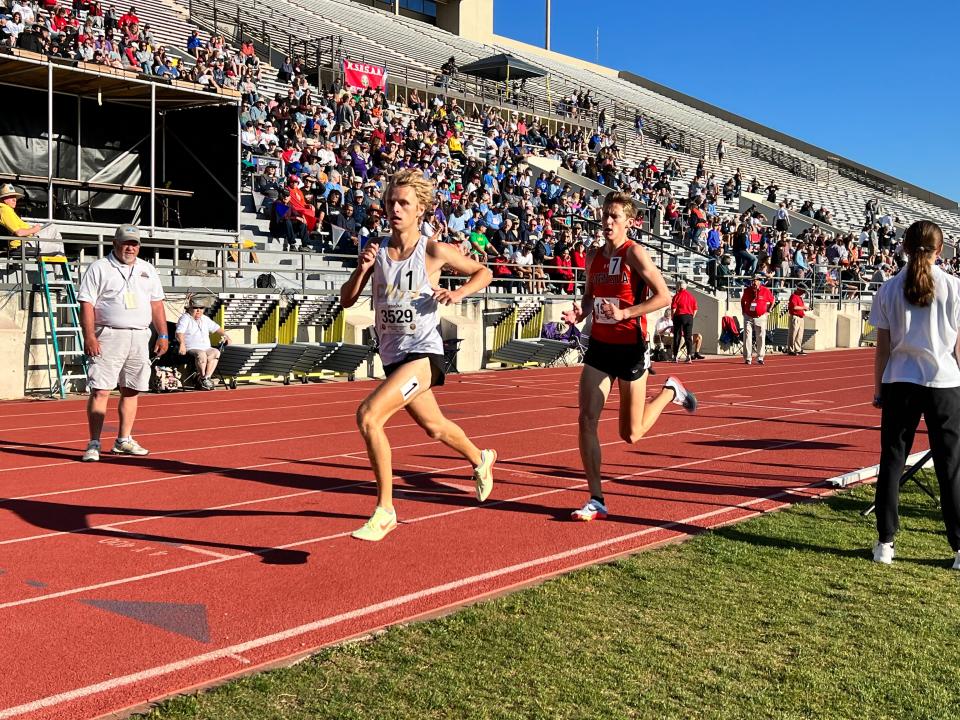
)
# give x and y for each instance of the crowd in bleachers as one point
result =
(93, 32)
(332, 151)
(320, 159)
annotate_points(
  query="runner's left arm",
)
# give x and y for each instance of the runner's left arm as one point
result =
(641, 263)
(440, 255)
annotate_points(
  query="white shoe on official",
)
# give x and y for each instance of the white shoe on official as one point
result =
(92, 453)
(883, 553)
(129, 447)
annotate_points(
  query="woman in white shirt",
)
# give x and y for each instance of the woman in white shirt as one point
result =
(193, 334)
(917, 316)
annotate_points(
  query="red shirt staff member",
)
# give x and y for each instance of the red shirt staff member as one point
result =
(622, 287)
(120, 296)
(916, 373)
(684, 309)
(755, 303)
(797, 308)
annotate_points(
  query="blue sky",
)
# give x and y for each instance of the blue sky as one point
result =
(877, 81)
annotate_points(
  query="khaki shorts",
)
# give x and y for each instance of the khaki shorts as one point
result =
(124, 360)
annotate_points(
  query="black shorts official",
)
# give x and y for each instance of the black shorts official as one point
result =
(622, 362)
(437, 365)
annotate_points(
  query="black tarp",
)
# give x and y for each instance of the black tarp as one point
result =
(115, 148)
(502, 67)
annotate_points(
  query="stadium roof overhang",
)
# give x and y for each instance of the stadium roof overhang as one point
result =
(86, 80)
(502, 67)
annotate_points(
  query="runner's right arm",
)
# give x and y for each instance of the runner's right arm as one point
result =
(358, 280)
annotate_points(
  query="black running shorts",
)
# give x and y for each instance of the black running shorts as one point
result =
(437, 365)
(622, 362)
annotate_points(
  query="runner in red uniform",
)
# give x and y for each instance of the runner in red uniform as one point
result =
(623, 286)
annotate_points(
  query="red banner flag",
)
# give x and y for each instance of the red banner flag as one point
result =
(362, 75)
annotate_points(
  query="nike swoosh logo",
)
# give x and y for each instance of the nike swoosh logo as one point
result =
(386, 525)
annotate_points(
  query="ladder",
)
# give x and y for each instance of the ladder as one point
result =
(64, 334)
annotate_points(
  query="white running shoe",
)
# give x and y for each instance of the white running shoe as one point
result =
(483, 474)
(681, 396)
(883, 553)
(92, 453)
(956, 561)
(380, 524)
(129, 447)
(593, 510)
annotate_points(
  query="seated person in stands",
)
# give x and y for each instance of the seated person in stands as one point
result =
(663, 337)
(193, 333)
(11, 224)
(285, 222)
(268, 185)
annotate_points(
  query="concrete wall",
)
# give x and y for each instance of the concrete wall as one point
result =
(471, 19)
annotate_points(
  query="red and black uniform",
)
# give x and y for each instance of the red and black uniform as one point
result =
(617, 348)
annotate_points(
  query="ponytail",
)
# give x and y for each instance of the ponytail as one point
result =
(921, 241)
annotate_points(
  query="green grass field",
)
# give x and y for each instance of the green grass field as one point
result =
(783, 616)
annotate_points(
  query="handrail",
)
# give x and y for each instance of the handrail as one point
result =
(774, 156)
(225, 17)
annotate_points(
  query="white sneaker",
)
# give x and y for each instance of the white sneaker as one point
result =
(956, 561)
(681, 396)
(483, 474)
(92, 453)
(883, 553)
(129, 447)
(593, 510)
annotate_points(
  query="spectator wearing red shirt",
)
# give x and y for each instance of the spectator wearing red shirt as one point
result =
(129, 18)
(755, 303)
(684, 309)
(797, 307)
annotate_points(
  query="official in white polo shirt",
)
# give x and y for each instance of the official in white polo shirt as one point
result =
(916, 374)
(193, 333)
(120, 297)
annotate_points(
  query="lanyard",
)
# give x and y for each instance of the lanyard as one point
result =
(127, 278)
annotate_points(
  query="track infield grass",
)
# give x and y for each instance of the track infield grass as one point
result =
(783, 616)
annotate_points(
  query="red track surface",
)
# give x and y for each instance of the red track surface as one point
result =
(228, 547)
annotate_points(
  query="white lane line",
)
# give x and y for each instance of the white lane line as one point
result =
(534, 384)
(700, 394)
(281, 408)
(431, 516)
(203, 551)
(354, 455)
(419, 595)
(349, 431)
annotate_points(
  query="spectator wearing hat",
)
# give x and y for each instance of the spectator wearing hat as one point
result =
(755, 302)
(12, 224)
(797, 308)
(193, 334)
(120, 296)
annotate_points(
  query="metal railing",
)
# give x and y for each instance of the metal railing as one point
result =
(277, 36)
(781, 159)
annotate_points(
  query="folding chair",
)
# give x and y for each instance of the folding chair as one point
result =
(731, 336)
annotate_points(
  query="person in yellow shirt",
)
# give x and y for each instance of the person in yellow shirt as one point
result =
(11, 224)
(455, 145)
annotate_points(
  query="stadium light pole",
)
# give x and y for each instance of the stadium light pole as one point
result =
(547, 34)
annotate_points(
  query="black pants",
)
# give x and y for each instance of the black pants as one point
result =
(683, 324)
(903, 404)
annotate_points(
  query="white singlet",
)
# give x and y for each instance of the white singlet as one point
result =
(404, 308)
